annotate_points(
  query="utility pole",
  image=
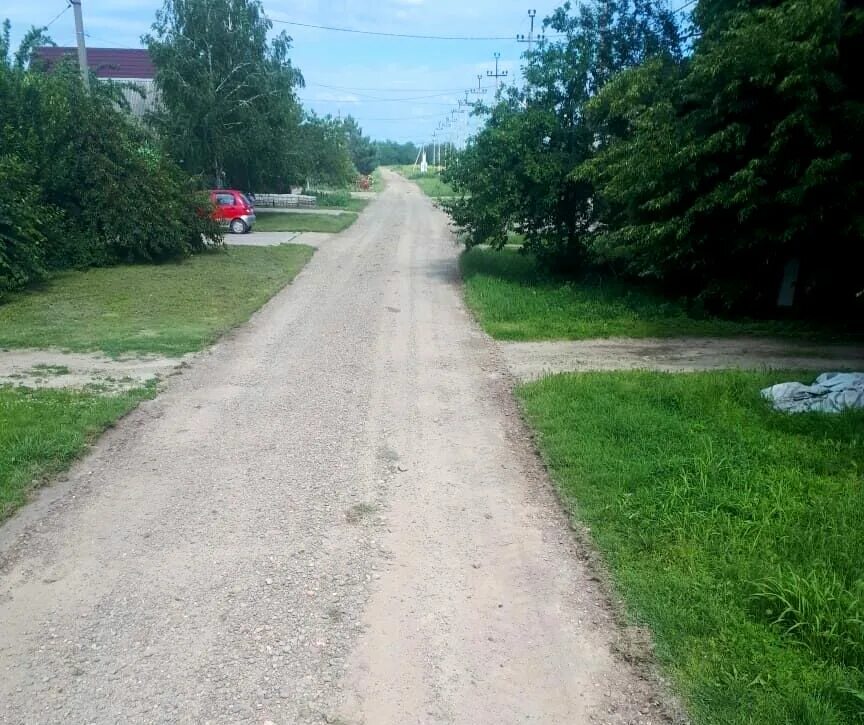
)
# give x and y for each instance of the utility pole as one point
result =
(441, 128)
(82, 49)
(530, 39)
(496, 75)
(479, 90)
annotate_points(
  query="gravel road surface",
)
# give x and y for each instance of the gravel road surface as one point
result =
(333, 516)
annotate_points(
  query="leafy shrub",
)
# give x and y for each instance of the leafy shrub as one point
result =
(22, 245)
(86, 186)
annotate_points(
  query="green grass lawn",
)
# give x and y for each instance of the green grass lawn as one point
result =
(287, 222)
(513, 300)
(341, 200)
(430, 183)
(169, 309)
(734, 532)
(42, 431)
(351, 204)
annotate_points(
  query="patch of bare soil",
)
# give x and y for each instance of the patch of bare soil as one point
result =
(57, 369)
(531, 360)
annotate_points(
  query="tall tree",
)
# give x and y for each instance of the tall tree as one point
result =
(742, 166)
(228, 94)
(33, 39)
(321, 156)
(359, 146)
(516, 174)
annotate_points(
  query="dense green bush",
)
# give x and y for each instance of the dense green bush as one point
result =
(719, 171)
(85, 185)
(22, 244)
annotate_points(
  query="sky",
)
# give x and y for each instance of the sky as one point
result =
(397, 88)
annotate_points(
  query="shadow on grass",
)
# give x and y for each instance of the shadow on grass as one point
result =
(515, 299)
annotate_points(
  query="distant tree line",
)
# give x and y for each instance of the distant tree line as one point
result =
(721, 160)
(367, 155)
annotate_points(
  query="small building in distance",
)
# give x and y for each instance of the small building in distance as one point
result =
(127, 66)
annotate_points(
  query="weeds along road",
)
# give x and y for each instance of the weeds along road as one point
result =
(333, 516)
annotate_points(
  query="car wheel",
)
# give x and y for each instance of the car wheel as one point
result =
(238, 226)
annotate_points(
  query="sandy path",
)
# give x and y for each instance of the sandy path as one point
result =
(58, 369)
(530, 360)
(334, 516)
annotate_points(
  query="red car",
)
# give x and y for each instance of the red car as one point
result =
(234, 209)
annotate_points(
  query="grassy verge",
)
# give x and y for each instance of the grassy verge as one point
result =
(430, 183)
(733, 531)
(350, 204)
(166, 309)
(513, 300)
(377, 181)
(341, 200)
(42, 431)
(288, 222)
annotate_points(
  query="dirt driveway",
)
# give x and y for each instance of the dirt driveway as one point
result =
(333, 516)
(530, 360)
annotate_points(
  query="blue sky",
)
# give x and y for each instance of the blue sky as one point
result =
(396, 88)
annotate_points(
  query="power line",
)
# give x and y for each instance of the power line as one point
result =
(109, 43)
(365, 96)
(389, 90)
(403, 118)
(381, 100)
(391, 35)
(684, 6)
(58, 16)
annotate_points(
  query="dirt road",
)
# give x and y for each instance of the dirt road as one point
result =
(531, 360)
(335, 516)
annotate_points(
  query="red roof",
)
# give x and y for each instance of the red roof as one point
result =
(106, 62)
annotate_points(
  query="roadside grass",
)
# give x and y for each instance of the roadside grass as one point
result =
(514, 300)
(351, 204)
(732, 531)
(378, 183)
(168, 309)
(430, 183)
(43, 431)
(340, 200)
(288, 222)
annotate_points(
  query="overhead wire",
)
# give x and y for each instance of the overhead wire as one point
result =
(435, 91)
(349, 101)
(58, 16)
(384, 34)
(684, 6)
